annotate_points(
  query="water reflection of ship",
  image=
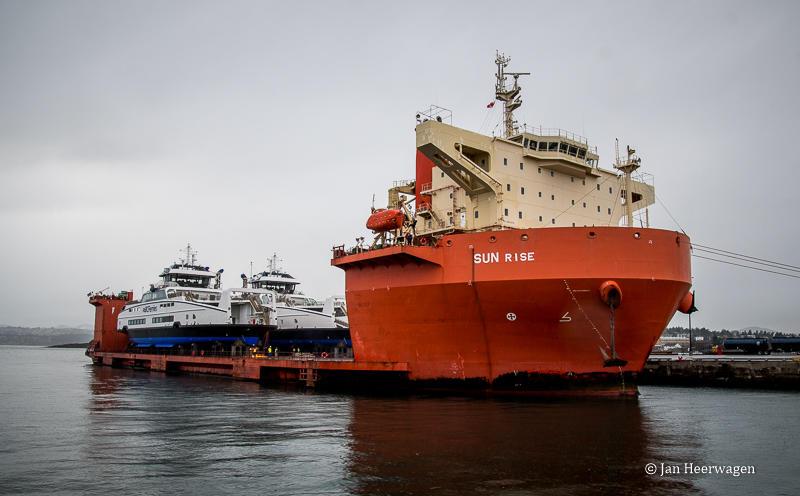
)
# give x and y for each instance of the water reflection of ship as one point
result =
(466, 446)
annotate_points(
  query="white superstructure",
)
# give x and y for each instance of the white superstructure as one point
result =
(296, 310)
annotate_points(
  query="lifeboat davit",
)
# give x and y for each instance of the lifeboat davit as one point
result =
(386, 220)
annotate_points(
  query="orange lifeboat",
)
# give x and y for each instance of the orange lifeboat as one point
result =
(386, 220)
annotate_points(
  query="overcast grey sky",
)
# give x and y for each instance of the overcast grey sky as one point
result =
(128, 129)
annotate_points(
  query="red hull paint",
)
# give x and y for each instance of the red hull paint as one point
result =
(107, 308)
(504, 319)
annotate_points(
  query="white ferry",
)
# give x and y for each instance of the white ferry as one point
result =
(295, 310)
(188, 305)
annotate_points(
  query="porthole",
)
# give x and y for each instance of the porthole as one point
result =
(592, 234)
(637, 235)
(492, 239)
(524, 237)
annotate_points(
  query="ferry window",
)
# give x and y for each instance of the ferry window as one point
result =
(505, 161)
(533, 145)
(167, 318)
(525, 143)
(508, 187)
(552, 146)
(542, 146)
(573, 150)
(506, 213)
(520, 214)
(562, 147)
(522, 190)
(581, 155)
(476, 214)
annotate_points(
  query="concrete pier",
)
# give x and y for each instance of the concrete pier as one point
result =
(769, 372)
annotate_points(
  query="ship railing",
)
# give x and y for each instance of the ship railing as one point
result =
(545, 132)
(426, 188)
(402, 182)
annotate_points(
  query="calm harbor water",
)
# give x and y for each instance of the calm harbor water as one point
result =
(72, 428)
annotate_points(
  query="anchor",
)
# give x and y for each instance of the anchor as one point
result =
(612, 296)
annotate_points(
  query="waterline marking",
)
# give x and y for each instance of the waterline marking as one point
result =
(690, 468)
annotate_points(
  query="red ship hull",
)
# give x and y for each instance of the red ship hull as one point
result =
(517, 310)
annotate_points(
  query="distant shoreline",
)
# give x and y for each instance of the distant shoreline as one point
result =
(69, 345)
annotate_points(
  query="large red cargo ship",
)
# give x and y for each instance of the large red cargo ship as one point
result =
(519, 267)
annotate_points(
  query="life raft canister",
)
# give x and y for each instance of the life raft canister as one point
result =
(687, 303)
(610, 293)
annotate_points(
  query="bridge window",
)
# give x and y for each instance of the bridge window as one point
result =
(552, 146)
(562, 147)
(533, 145)
(581, 155)
(525, 143)
(542, 146)
(573, 150)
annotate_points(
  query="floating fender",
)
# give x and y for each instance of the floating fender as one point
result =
(386, 220)
(610, 293)
(687, 303)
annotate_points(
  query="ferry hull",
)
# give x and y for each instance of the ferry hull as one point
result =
(168, 336)
(474, 312)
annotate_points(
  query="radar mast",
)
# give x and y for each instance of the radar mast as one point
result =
(509, 96)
